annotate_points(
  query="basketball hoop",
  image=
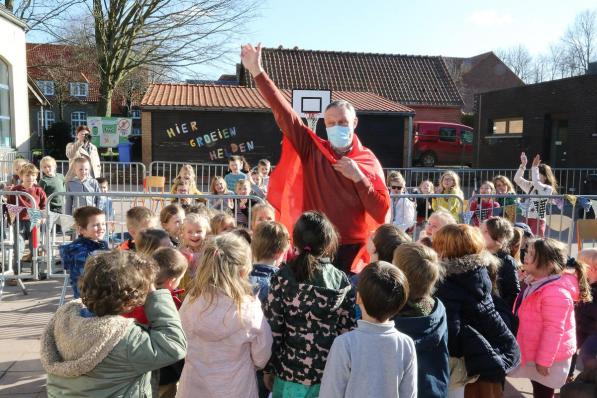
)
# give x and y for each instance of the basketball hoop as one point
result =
(312, 119)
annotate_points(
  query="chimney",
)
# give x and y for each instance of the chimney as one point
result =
(592, 69)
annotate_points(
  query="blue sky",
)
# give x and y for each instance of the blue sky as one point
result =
(453, 28)
(439, 27)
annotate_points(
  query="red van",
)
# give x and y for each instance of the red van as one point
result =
(441, 143)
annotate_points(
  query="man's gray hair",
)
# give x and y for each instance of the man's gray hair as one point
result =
(342, 104)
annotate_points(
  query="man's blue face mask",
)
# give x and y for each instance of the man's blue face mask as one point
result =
(339, 136)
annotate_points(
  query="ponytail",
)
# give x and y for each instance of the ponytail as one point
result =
(583, 283)
(303, 266)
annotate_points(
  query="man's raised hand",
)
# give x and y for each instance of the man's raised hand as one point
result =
(251, 58)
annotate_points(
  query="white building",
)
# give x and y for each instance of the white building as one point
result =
(14, 100)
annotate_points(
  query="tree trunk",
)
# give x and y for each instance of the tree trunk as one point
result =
(104, 106)
(9, 4)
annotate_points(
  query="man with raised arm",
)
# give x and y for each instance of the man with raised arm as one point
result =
(338, 177)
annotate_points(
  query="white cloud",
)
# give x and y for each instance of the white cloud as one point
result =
(486, 18)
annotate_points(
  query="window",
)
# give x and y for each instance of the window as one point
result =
(5, 120)
(508, 126)
(47, 122)
(466, 137)
(136, 113)
(447, 134)
(136, 131)
(78, 119)
(46, 87)
(79, 89)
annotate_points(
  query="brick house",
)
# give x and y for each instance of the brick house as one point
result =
(422, 83)
(71, 83)
(479, 74)
(557, 119)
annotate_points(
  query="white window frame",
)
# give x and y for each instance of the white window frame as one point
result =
(49, 120)
(79, 120)
(136, 131)
(79, 89)
(46, 87)
(6, 137)
(136, 113)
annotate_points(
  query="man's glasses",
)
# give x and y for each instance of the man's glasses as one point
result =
(396, 187)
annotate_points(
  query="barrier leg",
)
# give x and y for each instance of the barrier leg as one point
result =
(63, 293)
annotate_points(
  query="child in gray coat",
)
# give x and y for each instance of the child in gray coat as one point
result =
(82, 182)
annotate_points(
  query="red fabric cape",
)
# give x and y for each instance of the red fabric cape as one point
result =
(287, 185)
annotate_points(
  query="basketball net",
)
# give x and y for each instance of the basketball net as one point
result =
(312, 119)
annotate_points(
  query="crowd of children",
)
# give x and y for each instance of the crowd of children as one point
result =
(217, 299)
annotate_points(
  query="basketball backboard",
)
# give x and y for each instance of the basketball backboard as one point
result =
(309, 102)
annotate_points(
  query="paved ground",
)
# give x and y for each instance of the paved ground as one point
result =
(22, 319)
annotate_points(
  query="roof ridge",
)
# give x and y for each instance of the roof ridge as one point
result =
(350, 52)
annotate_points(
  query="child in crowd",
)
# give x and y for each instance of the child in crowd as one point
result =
(436, 221)
(82, 182)
(423, 318)
(182, 187)
(242, 206)
(374, 360)
(384, 241)
(503, 186)
(586, 313)
(482, 208)
(498, 232)
(482, 348)
(171, 267)
(51, 182)
(545, 309)
(219, 186)
(257, 187)
(264, 167)
(449, 184)
(515, 245)
(228, 335)
(152, 239)
(195, 229)
(404, 212)
(243, 233)
(543, 183)
(221, 223)
(138, 218)
(235, 165)
(171, 218)
(105, 201)
(91, 228)
(187, 174)
(28, 176)
(424, 209)
(261, 212)
(310, 303)
(269, 245)
(88, 348)
(14, 178)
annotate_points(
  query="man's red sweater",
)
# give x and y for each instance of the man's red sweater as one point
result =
(345, 202)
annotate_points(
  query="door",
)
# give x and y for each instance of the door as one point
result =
(559, 141)
(466, 147)
(448, 146)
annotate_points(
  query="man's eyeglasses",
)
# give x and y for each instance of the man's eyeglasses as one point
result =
(396, 187)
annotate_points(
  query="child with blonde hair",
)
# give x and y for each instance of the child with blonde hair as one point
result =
(545, 309)
(219, 186)
(222, 222)
(195, 229)
(449, 184)
(138, 218)
(242, 206)
(89, 348)
(187, 174)
(228, 335)
(14, 178)
(51, 182)
(503, 186)
(261, 212)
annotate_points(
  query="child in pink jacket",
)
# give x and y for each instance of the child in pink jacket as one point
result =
(545, 308)
(228, 336)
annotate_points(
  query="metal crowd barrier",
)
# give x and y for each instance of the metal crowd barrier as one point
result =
(11, 267)
(570, 180)
(116, 228)
(410, 223)
(203, 171)
(122, 177)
